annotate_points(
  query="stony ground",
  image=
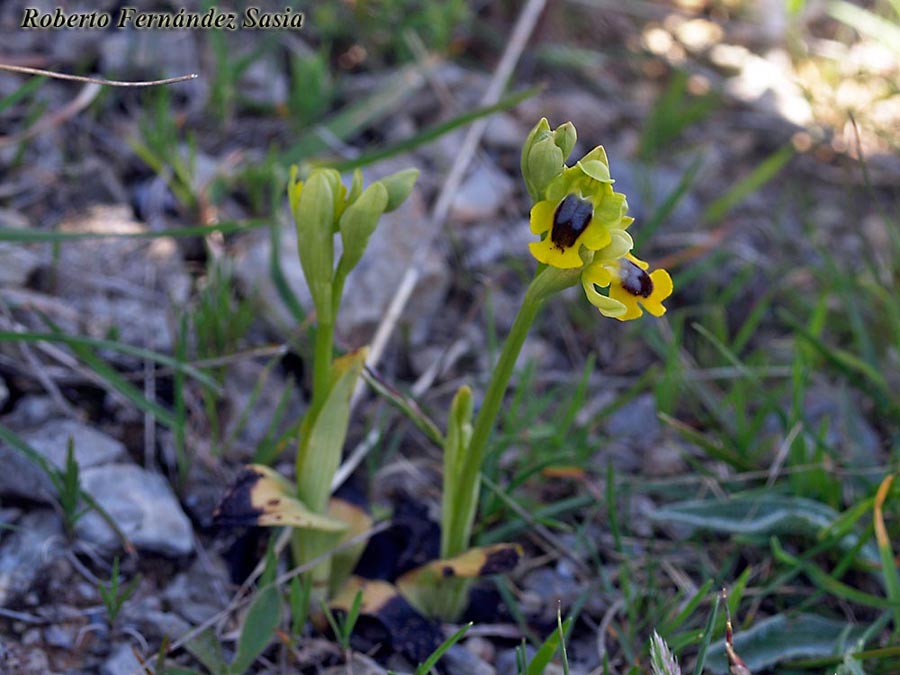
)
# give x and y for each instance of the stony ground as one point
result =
(72, 161)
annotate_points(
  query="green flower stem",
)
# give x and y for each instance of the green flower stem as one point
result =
(322, 358)
(459, 521)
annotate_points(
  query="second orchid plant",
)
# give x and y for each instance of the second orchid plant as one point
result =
(583, 227)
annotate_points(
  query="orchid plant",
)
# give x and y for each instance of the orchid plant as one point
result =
(582, 223)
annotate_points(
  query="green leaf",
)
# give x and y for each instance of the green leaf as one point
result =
(259, 628)
(780, 638)
(762, 515)
(207, 649)
(429, 663)
(458, 501)
(320, 452)
(546, 651)
(261, 497)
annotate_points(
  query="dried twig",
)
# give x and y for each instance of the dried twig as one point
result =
(96, 80)
(736, 663)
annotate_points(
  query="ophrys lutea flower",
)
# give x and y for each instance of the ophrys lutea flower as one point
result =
(582, 222)
(630, 287)
(579, 209)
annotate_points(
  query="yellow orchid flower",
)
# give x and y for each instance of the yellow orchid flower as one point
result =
(630, 287)
(579, 209)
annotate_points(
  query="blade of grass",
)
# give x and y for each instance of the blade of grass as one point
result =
(434, 132)
(849, 363)
(408, 406)
(762, 174)
(665, 209)
(115, 380)
(690, 606)
(30, 86)
(82, 342)
(16, 235)
(429, 663)
(866, 22)
(707, 637)
(354, 117)
(287, 295)
(888, 566)
(828, 583)
(546, 651)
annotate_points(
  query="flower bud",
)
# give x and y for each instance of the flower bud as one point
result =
(355, 186)
(359, 222)
(544, 155)
(565, 137)
(399, 186)
(313, 208)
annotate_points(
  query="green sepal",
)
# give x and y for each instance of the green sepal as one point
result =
(596, 170)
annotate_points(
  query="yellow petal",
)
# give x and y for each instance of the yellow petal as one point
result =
(597, 274)
(550, 254)
(637, 261)
(619, 246)
(596, 236)
(542, 217)
(632, 310)
(662, 289)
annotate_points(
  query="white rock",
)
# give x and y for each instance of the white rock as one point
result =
(122, 662)
(123, 286)
(505, 131)
(143, 506)
(482, 195)
(36, 542)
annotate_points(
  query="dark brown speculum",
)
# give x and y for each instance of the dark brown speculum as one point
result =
(572, 217)
(635, 280)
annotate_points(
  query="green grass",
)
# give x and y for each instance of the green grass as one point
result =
(780, 506)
